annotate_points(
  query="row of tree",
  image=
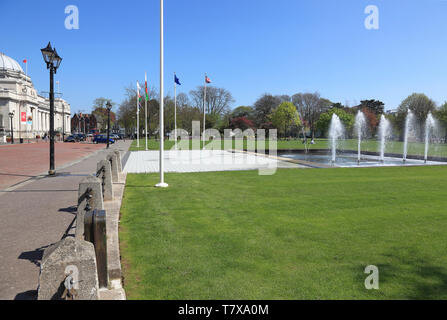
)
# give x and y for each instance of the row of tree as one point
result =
(315, 114)
(299, 114)
(189, 108)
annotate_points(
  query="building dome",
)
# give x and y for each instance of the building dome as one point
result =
(8, 63)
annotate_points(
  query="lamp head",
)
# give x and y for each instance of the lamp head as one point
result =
(48, 54)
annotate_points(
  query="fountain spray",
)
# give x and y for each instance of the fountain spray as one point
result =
(384, 134)
(360, 123)
(408, 127)
(336, 131)
(430, 125)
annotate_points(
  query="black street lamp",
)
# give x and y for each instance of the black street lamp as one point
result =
(109, 107)
(11, 116)
(53, 61)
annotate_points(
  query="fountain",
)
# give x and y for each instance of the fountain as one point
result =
(360, 126)
(430, 125)
(336, 132)
(384, 135)
(409, 128)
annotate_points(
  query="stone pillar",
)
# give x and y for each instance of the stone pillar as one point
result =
(96, 202)
(69, 257)
(108, 189)
(118, 159)
(112, 158)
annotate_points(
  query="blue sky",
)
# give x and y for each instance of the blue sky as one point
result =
(247, 46)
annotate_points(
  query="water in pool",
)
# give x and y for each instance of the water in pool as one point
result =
(351, 160)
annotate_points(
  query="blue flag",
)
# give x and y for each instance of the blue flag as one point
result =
(176, 80)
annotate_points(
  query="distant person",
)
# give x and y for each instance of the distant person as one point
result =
(312, 142)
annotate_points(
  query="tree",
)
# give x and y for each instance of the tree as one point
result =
(419, 104)
(325, 120)
(375, 106)
(241, 123)
(263, 108)
(285, 116)
(218, 100)
(441, 115)
(372, 119)
(100, 112)
(310, 106)
(242, 111)
(284, 98)
(127, 112)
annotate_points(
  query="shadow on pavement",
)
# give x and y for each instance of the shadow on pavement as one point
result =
(34, 256)
(17, 175)
(27, 295)
(71, 209)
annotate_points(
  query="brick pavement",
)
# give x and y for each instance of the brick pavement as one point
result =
(20, 162)
(35, 215)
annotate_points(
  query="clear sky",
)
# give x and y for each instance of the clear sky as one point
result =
(246, 46)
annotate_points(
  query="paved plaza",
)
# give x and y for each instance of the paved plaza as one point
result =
(20, 162)
(202, 161)
(40, 211)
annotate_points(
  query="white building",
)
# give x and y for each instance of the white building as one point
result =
(31, 111)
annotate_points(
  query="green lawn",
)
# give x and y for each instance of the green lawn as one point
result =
(350, 144)
(300, 234)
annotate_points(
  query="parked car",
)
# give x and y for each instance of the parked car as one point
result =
(100, 138)
(115, 136)
(70, 139)
(80, 137)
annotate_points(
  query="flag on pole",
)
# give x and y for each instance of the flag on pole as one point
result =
(26, 66)
(177, 80)
(145, 86)
(207, 80)
(139, 95)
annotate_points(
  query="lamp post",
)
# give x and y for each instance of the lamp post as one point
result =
(53, 61)
(11, 116)
(109, 107)
(63, 123)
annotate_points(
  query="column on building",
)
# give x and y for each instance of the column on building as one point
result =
(38, 121)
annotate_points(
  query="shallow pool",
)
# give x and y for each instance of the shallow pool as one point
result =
(350, 160)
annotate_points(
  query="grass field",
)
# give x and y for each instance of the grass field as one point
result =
(439, 150)
(300, 234)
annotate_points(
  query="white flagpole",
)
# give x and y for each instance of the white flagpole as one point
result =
(175, 111)
(145, 107)
(162, 183)
(204, 112)
(138, 116)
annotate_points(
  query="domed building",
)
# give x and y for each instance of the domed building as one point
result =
(31, 112)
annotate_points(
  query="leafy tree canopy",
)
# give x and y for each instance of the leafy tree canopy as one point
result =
(285, 116)
(325, 119)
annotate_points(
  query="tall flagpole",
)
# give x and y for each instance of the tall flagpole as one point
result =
(204, 112)
(162, 183)
(138, 116)
(175, 111)
(145, 107)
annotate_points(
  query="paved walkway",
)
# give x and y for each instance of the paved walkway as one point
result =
(202, 161)
(19, 162)
(35, 215)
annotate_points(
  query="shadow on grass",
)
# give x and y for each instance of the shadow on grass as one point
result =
(142, 186)
(417, 275)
